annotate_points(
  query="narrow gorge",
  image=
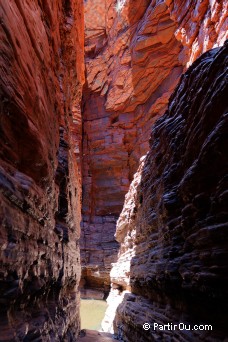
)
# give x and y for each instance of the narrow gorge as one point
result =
(113, 169)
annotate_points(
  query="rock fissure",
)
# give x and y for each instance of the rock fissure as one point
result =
(113, 118)
(124, 131)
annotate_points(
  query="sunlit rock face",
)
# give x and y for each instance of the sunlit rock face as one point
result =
(40, 125)
(202, 25)
(135, 54)
(173, 227)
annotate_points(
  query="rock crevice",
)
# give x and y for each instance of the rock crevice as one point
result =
(135, 55)
(169, 249)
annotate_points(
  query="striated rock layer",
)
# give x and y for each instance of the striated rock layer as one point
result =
(40, 125)
(135, 54)
(173, 227)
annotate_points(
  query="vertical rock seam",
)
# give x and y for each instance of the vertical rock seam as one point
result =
(173, 227)
(42, 73)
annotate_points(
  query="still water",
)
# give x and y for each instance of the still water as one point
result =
(92, 312)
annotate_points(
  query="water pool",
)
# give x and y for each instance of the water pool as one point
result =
(92, 312)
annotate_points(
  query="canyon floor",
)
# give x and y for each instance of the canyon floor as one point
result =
(92, 335)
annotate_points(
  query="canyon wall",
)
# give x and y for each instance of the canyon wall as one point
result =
(42, 72)
(172, 264)
(135, 54)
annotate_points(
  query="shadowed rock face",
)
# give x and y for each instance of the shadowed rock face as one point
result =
(41, 80)
(173, 227)
(135, 54)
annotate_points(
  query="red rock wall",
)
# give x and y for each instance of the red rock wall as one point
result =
(173, 227)
(42, 72)
(202, 25)
(134, 58)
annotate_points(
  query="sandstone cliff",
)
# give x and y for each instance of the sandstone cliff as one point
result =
(173, 227)
(135, 54)
(42, 71)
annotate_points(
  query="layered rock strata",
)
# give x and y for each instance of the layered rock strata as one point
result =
(118, 113)
(173, 227)
(40, 125)
(135, 54)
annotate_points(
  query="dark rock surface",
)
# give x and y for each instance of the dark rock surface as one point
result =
(42, 71)
(173, 227)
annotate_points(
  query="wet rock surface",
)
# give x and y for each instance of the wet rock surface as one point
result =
(135, 55)
(173, 227)
(42, 72)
